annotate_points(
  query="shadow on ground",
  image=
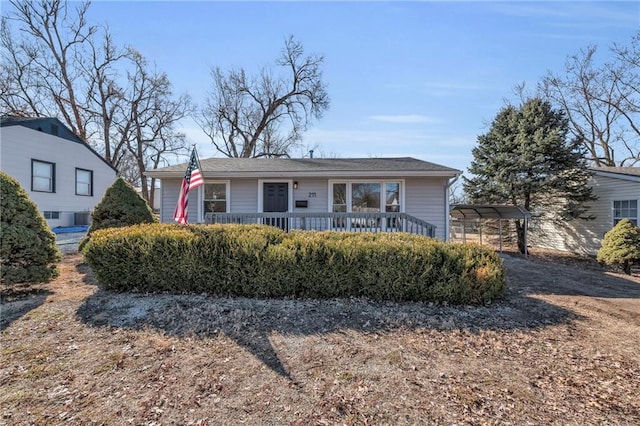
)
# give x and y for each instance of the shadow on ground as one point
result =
(17, 302)
(250, 322)
(568, 280)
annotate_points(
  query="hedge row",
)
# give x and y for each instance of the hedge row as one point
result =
(263, 261)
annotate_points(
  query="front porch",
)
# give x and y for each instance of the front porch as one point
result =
(345, 222)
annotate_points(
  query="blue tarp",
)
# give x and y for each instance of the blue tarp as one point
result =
(70, 229)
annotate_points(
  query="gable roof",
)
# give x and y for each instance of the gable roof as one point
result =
(309, 167)
(625, 173)
(51, 126)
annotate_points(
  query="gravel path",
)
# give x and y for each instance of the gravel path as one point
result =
(68, 242)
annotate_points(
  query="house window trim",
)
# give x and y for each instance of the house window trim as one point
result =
(53, 176)
(383, 186)
(90, 194)
(614, 218)
(227, 192)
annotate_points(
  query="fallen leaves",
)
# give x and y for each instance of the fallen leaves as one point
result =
(77, 355)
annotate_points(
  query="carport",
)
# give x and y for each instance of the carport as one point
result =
(482, 212)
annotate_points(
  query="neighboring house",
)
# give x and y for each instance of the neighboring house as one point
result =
(61, 173)
(618, 192)
(359, 194)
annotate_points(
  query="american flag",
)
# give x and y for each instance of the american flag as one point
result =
(192, 179)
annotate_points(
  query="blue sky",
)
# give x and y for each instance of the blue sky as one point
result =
(420, 79)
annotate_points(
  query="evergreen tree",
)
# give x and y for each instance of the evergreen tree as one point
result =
(120, 206)
(527, 159)
(621, 246)
(28, 251)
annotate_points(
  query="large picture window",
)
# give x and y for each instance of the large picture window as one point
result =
(43, 176)
(84, 182)
(366, 197)
(625, 209)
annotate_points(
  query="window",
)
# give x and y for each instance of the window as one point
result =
(43, 176)
(215, 198)
(51, 215)
(339, 197)
(392, 198)
(84, 182)
(625, 209)
(365, 197)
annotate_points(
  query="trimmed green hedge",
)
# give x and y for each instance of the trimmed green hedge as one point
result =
(263, 261)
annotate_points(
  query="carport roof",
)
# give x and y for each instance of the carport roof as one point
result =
(488, 211)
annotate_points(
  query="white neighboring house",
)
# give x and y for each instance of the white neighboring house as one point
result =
(618, 192)
(61, 173)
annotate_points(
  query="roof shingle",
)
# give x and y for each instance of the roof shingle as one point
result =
(310, 166)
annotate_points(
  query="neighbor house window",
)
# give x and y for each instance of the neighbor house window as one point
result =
(43, 176)
(84, 182)
(625, 209)
(215, 198)
(51, 215)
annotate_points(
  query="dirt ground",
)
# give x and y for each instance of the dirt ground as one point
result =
(560, 348)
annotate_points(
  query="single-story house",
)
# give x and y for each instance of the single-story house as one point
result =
(356, 194)
(618, 192)
(61, 173)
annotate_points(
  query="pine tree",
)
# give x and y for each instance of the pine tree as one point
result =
(527, 159)
(621, 246)
(28, 251)
(120, 206)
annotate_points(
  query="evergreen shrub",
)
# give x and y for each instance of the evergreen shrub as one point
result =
(621, 246)
(28, 251)
(263, 261)
(120, 206)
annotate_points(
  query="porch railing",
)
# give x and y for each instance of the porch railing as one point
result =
(354, 222)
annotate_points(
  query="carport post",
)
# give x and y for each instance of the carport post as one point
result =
(526, 227)
(500, 233)
(464, 230)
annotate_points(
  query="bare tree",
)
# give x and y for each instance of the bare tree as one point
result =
(153, 115)
(44, 62)
(265, 115)
(55, 64)
(625, 74)
(601, 103)
(106, 98)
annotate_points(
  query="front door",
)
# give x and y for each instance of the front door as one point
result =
(276, 199)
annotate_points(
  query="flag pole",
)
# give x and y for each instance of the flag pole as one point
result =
(192, 179)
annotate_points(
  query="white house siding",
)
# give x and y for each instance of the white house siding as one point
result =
(170, 188)
(244, 196)
(19, 145)
(315, 192)
(425, 199)
(585, 236)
